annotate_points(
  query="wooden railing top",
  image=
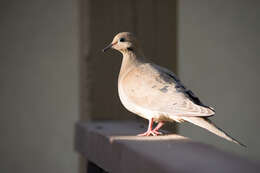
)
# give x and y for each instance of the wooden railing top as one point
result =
(114, 147)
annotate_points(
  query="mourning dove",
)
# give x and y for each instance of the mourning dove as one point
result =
(155, 93)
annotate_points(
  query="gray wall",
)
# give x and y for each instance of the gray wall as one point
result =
(219, 57)
(38, 86)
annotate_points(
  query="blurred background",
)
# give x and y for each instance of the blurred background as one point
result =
(51, 68)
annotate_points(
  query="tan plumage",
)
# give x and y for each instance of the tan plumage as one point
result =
(155, 93)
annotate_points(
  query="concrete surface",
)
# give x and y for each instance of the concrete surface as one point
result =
(115, 147)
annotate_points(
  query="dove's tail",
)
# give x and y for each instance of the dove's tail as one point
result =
(208, 125)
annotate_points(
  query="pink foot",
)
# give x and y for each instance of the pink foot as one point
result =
(150, 133)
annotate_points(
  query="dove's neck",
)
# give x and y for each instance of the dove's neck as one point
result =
(130, 60)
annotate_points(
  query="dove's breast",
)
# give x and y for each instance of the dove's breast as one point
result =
(139, 92)
(129, 93)
(130, 105)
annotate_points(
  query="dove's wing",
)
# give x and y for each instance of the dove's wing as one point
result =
(157, 89)
(180, 86)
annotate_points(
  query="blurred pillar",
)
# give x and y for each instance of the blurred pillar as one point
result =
(154, 23)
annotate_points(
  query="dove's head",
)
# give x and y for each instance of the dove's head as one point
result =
(124, 42)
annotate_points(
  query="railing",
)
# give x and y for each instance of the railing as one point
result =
(112, 147)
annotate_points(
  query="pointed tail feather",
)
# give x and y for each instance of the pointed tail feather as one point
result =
(208, 125)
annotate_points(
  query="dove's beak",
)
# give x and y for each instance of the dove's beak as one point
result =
(108, 47)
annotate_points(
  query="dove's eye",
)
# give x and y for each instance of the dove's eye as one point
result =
(121, 40)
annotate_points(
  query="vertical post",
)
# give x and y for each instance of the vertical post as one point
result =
(154, 23)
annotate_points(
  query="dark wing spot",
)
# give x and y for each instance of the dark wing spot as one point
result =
(164, 89)
(154, 86)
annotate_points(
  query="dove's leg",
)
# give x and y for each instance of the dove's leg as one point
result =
(151, 131)
(159, 125)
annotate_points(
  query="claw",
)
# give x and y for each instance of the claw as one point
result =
(152, 132)
(143, 134)
(157, 132)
